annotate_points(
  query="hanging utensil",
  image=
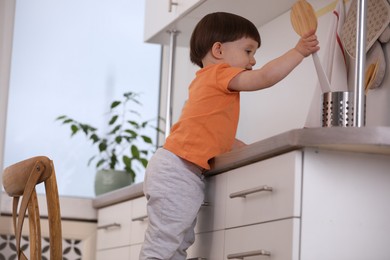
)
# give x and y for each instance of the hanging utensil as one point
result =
(304, 19)
(370, 75)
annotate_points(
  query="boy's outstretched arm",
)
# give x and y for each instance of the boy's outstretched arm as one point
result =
(277, 69)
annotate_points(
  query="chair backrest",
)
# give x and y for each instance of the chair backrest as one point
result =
(19, 181)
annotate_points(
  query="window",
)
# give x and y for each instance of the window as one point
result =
(74, 58)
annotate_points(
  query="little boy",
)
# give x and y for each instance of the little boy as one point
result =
(223, 45)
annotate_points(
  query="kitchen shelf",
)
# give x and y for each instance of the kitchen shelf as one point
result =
(259, 12)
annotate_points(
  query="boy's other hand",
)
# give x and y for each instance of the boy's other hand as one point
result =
(308, 44)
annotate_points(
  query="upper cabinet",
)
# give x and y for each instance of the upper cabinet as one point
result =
(162, 16)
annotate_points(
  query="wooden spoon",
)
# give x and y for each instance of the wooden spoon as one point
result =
(304, 19)
(370, 75)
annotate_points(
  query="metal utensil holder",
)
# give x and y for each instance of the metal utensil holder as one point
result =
(337, 109)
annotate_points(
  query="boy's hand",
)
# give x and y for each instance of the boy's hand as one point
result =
(308, 44)
(238, 144)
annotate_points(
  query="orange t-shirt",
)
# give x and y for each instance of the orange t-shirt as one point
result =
(208, 123)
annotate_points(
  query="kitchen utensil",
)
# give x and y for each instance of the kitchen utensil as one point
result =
(370, 75)
(304, 19)
(378, 18)
(337, 109)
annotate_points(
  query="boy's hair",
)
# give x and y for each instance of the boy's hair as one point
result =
(219, 27)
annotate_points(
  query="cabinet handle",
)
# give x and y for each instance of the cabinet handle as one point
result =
(142, 218)
(108, 226)
(171, 3)
(197, 258)
(247, 254)
(244, 193)
(205, 204)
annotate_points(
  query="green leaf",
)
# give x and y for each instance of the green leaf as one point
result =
(103, 145)
(113, 120)
(61, 117)
(146, 139)
(118, 139)
(144, 152)
(127, 161)
(90, 160)
(113, 160)
(67, 121)
(144, 162)
(131, 132)
(116, 128)
(132, 174)
(134, 151)
(74, 129)
(100, 163)
(85, 128)
(144, 124)
(133, 123)
(94, 138)
(115, 104)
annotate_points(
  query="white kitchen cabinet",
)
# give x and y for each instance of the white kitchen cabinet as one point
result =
(345, 207)
(208, 245)
(161, 14)
(264, 191)
(139, 220)
(274, 240)
(114, 225)
(212, 214)
(116, 253)
(329, 200)
(121, 229)
(323, 205)
(187, 13)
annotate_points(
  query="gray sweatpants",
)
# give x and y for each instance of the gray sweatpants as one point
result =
(175, 191)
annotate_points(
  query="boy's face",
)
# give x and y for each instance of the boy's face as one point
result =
(240, 53)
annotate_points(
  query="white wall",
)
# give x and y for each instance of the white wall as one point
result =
(268, 112)
(287, 105)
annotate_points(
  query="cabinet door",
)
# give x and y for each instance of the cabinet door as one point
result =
(117, 253)
(250, 198)
(135, 250)
(345, 206)
(212, 213)
(139, 219)
(279, 239)
(114, 226)
(159, 14)
(207, 246)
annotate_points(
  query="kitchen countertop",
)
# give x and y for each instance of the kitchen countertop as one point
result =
(84, 212)
(355, 139)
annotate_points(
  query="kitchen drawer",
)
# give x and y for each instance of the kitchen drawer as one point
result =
(278, 238)
(116, 253)
(135, 250)
(208, 246)
(249, 199)
(211, 215)
(114, 226)
(139, 219)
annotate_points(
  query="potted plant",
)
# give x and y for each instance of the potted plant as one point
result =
(121, 148)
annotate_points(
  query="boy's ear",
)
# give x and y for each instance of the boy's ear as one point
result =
(216, 50)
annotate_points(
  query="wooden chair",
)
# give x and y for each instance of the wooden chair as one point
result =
(19, 181)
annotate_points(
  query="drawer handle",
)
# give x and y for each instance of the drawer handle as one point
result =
(142, 218)
(247, 254)
(171, 3)
(244, 193)
(197, 258)
(108, 226)
(204, 204)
